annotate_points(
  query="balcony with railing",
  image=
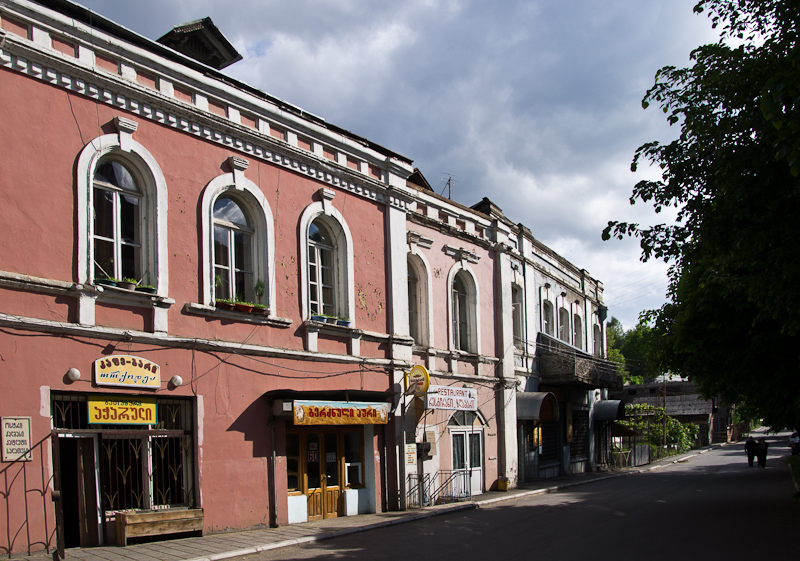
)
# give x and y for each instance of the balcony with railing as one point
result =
(563, 364)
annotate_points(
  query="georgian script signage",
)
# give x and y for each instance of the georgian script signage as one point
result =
(16, 438)
(127, 372)
(122, 410)
(449, 397)
(340, 413)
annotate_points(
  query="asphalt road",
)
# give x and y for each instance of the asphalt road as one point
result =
(711, 507)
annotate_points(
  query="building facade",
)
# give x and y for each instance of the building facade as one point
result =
(286, 276)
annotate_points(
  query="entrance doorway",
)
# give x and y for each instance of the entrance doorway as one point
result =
(321, 463)
(466, 437)
(80, 508)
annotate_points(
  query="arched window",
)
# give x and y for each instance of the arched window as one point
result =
(598, 342)
(463, 307)
(563, 324)
(547, 318)
(517, 316)
(322, 270)
(326, 261)
(413, 302)
(577, 331)
(238, 242)
(233, 251)
(117, 203)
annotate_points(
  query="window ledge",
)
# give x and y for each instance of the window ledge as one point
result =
(324, 327)
(214, 312)
(116, 295)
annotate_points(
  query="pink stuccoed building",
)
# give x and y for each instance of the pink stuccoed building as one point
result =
(211, 300)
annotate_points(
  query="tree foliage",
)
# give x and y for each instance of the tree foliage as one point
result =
(650, 421)
(632, 350)
(732, 321)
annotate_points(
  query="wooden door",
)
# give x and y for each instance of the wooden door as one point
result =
(323, 475)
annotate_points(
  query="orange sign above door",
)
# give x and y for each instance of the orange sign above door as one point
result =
(340, 413)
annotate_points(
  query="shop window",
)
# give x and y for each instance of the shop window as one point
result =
(547, 317)
(293, 462)
(353, 472)
(130, 456)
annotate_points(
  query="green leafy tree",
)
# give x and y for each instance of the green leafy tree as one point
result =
(732, 320)
(637, 348)
(614, 337)
(649, 421)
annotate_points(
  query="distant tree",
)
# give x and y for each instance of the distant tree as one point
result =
(638, 349)
(732, 320)
(615, 336)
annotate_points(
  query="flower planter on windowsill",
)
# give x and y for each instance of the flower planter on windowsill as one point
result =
(146, 289)
(331, 320)
(222, 305)
(126, 285)
(105, 282)
(343, 322)
(322, 319)
(259, 310)
(242, 307)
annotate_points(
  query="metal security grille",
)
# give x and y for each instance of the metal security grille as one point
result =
(579, 449)
(549, 442)
(140, 467)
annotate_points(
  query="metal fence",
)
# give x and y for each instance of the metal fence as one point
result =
(444, 486)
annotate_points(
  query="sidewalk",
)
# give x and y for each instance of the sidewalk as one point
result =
(215, 547)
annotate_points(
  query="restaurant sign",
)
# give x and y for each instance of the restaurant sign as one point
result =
(127, 372)
(340, 413)
(449, 397)
(122, 410)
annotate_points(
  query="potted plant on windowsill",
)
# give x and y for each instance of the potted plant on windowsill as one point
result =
(331, 319)
(244, 307)
(127, 284)
(344, 322)
(319, 318)
(258, 290)
(223, 304)
(107, 281)
(146, 288)
(259, 309)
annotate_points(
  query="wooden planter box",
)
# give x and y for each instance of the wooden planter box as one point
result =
(157, 523)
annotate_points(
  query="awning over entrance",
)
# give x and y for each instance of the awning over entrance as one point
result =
(609, 410)
(537, 406)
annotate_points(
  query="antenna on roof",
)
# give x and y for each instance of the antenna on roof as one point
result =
(448, 183)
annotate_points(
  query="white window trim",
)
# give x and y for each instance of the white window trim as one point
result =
(425, 306)
(154, 191)
(256, 206)
(473, 313)
(345, 285)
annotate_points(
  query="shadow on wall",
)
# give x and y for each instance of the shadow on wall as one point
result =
(253, 424)
(25, 488)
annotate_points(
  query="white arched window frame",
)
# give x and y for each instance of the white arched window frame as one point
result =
(548, 319)
(517, 316)
(471, 315)
(422, 300)
(152, 196)
(563, 324)
(577, 331)
(343, 257)
(254, 204)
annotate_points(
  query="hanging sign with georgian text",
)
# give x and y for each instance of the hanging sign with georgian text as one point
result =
(127, 372)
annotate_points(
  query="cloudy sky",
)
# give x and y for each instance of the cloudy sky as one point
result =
(535, 104)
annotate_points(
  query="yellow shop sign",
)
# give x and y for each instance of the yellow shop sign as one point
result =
(116, 410)
(127, 371)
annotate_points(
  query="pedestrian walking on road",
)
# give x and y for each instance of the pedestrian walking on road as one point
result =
(750, 448)
(762, 452)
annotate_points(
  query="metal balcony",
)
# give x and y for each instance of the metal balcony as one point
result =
(563, 364)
